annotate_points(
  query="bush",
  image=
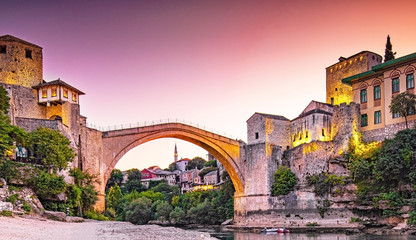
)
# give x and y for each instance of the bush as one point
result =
(110, 213)
(12, 199)
(412, 218)
(284, 181)
(6, 213)
(48, 184)
(95, 215)
(26, 207)
(324, 183)
(178, 216)
(139, 211)
(312, 224)
(163, 210)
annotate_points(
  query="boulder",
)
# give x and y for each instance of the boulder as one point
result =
(227, 222)
(74, 219)
(57, 216)
(6, 206)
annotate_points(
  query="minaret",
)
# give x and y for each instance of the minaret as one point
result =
(176, 153)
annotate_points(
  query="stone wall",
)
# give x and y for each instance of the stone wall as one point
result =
(346, 67)
(15, 67)
(23, 103)
(387, 132)
(90, 157)
(31, 124)
(264, 128)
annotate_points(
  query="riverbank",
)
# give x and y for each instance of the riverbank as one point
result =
(38, 229)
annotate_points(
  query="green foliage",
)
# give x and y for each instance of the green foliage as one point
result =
(163, 210)
(51, 147)
(196, 162)
(206, 170)
(110, 213)
(284, 181)
(131, 196)
(6, 213)
(26, 207)
(312, 224)
(212, 163)
(90, 214)
(48, 185)
(403, 103)
(82, 195)
(354, 220)
(173, 167)
(12, 198)
(324, 183)
(115, 198)
(152, 195)
(139, 211)
(396, 159)
(133, 180)
(388, 54)
(175, 201)
(203, 213)
(115, 177)
(412, 218)
(178, 216)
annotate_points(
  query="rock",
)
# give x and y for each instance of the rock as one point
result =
(401, 226)
(74, 219)
(6, 206)
(227, 222)
(57, 216)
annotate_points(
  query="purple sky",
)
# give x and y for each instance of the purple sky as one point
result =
(213, 63)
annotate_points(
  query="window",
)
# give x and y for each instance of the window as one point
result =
(377, 117)
(306, 134)
(2, 48)
(257, 135)
(74, 97)
(300, 136)
(44, 93)
(323, 132)
(410, 83)
(28, 53)
(395, 85)
(332, 101)
(364, 121)
(396, 115)
(377, 92)
(54, 92)
(65, 93)
(294, 137)
(363, 96)
(411, 111)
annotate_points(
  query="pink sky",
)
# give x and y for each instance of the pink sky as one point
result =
(213, 63)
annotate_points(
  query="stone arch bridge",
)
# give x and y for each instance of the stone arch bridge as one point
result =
(251, 168)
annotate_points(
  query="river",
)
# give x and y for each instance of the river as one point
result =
(300, 236)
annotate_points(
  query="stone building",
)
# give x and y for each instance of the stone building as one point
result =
(374, 90)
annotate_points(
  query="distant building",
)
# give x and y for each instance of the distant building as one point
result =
(181, 164)
(148, 174)
(211, 178)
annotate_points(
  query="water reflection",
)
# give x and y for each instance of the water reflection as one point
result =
(302, 236)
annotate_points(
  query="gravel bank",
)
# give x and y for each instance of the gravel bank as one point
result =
(34, 229)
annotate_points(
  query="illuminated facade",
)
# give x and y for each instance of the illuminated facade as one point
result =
(375, 88)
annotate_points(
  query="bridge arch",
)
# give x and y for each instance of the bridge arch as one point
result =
(118, 142)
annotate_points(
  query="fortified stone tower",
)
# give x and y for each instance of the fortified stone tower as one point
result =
(336, 91)
(20, 62)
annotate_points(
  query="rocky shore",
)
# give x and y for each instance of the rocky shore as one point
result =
(39, 228)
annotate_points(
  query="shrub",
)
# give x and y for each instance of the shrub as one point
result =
(6, 213)
(163, 210)
(12, 199)
(26, 207)
(324, 183)
(312, 224)
(178, 216)
(412, 218)
(95, 215)
(284, 181)
(138, 211)
(110, 213)
(48, 184)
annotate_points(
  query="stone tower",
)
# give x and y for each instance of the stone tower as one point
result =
(20, 62)
(176, 154)
(336, 91)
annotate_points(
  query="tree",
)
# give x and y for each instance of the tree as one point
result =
(84, 186)
(163, 210)
(139, 211)
(173, 167)
(51, 147)
(403, 104)
(212, 163)
(115, 177)
(48, 185)
(115, 198)
(133, 180)
(178, 216)
(196, 162)
(284, 181)
(388, 55)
